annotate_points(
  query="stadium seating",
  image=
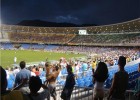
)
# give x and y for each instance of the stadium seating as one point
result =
(40, 38)
(50, 47)
(7, 45)
(37, 46)
(72, 39)
(25, 46)
(86, 81)
(105, 38)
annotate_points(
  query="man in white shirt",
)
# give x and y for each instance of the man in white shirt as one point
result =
(15, 71)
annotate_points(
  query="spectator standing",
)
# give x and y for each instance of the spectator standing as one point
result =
(15, 71)
(94, 65)
(138, 85)
(37, 72)
(52, 81)
(100, 75)
(120, 82)
(30, 69)
(22, 74)
(70, 82)
(36, 93)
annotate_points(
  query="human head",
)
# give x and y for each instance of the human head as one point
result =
(22, 64)
(122, 62)
(101, 73)
(37, 69)
(3, 78)
(35, 84)
(56, 68)
(47, 64)
(69, 69)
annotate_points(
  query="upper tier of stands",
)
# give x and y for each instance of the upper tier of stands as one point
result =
(129, 26)
(126, 34)
(106, 39)
(40, 38)
(128, 39)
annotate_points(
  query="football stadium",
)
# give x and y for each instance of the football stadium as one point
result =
(81, 47)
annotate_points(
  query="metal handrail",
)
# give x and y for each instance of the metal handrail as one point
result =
(86, 93)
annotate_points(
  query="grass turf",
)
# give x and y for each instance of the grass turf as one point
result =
(7, 56)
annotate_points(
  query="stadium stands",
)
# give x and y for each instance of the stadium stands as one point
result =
(66, 39)
(106, 39)
(126, 34)
(40, 38)
(50, 47)
(7, 45)
(125, 39)
(25, 46)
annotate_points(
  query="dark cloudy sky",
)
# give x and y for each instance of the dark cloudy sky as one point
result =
(74, 11)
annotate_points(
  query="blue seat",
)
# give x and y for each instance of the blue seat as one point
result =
(87, 83)
(81, 84)
(62, 82)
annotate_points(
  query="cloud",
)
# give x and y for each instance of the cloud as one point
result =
(74, 11)
(67, 18)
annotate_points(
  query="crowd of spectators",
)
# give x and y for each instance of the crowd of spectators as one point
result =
(76, 39)
(29, 85)
(41, 38)
(106, 54)
(28, 82)
(106, 39)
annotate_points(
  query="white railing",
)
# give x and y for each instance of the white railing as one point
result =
(86, 93)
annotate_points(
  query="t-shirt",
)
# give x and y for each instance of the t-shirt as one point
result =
(37, 73)
(84, 66)
(94, 65)
(33, 74)
(16, 71)
(70, 81)
(23, 74)
(120, 85)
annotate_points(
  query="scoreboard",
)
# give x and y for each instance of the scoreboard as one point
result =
(82, 32)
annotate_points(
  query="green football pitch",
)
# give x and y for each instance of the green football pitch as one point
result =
(7, 56)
